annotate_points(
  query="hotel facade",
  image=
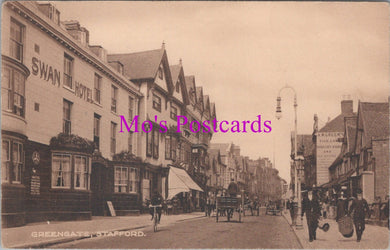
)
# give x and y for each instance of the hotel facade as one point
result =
(64, 155)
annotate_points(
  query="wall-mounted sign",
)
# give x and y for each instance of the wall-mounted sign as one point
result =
(45, 71)
(111, 208)
(35, 185)
(35, 158)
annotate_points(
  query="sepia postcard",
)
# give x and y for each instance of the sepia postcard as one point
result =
(195, 125)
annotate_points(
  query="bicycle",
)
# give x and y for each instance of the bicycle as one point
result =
(155, 216)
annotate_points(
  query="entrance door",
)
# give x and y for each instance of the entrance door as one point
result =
(97, 187)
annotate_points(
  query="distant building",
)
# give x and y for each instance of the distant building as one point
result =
(329, 141)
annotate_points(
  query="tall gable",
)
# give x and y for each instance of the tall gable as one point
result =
(213, 113)
(206, 105)
(199, 94)
(179, 84)
(191, 89)
(146, 65)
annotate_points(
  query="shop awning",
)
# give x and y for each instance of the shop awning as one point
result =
(179, 181)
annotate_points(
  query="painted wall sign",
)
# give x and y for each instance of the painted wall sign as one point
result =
(328, 148)
(50, 74)
(46, 72)
(35, 185)
(83, 92)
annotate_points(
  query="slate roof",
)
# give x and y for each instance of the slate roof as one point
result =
(206, 100)
(375, 118)
(139, 65)
(175, 71)
(337, 124)
(212, 109)
(222, 147)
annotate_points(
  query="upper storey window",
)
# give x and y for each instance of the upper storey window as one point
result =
(16, 43)
(68, 71)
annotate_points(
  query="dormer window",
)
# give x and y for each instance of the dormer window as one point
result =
(120, 69)
(178, 86)
(160, 72)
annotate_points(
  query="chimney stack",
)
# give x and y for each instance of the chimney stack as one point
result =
(346, 107)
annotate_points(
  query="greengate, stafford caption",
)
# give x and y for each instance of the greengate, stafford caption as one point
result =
(196, 126)
(56, 234)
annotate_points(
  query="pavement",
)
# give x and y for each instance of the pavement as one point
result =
(374, 237)
(44, 234)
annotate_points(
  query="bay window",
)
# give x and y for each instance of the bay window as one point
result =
(12, 161)
(68, 168)
(12, 91)
(61, 170)
(126, 179)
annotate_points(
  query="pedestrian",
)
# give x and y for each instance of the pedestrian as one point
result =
(311, 207)
(341, 206)
(358, 209)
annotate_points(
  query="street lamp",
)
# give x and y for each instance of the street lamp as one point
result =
(278, 116)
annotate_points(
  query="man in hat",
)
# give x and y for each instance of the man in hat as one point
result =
(311, 207)
(358, 209)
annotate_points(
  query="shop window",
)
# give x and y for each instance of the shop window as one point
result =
(96, 130)
(114, 97)
(97, 88)
(68, 71)
(5, 161)
(61, 170)
(121, 179)
(81, 172)
(16, 40)
(134, 180)
(157, 102)
(66, 122)
(66, 167)
(12, 91)
(12, 161)
(113, 138)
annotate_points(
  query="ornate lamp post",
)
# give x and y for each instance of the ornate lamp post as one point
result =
(297, 193)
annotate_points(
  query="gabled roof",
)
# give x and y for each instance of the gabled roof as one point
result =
(190, 84)
(176, 72)
(337, 124)
(212, 110)
(206, 103)
(222, 147)
(139, 65)
(199, 95)
(375, 117)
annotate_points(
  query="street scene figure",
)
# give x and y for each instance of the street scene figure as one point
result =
(156, 200)
(311, 207)
(359, 210)
(342, 206)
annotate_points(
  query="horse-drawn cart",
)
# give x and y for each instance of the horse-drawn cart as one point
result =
(228, 205)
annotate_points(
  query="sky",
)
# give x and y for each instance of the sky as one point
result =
(243, 53)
